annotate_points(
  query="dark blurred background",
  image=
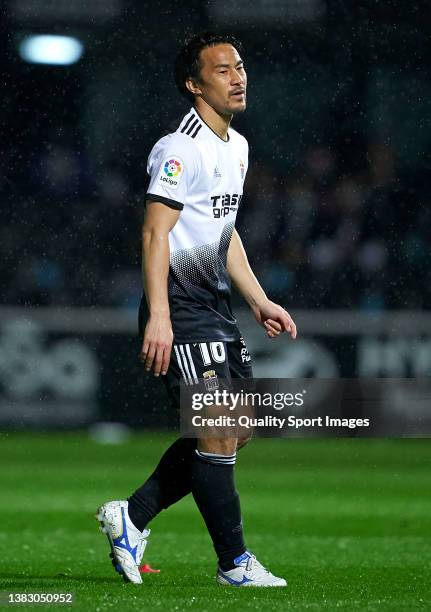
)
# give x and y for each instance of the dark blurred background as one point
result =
(336, 212)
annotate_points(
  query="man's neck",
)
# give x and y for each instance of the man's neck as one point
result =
(218, 123)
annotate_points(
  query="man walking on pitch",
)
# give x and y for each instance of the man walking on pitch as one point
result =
(191, 253)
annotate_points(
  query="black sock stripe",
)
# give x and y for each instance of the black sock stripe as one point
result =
(217, 455)
(217, 462)
(216, 459)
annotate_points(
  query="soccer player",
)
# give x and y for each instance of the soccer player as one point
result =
(191, 253)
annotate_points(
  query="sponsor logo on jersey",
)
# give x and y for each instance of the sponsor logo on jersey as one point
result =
(210, 380)
(224, 204)
(242, 168)
(171, 172)
(217, 173)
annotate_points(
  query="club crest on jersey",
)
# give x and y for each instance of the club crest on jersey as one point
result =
(171, 172)
(210, 380)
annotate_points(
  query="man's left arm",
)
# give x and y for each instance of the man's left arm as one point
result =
(271, 316)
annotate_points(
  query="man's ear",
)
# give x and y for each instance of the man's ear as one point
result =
(193, 87)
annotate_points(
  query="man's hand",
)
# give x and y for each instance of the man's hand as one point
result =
(271, 316)
(274, 319)
(157, 344)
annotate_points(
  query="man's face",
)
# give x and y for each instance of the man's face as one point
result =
(223, 80)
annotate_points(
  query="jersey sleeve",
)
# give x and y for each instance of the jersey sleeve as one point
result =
(172, 166)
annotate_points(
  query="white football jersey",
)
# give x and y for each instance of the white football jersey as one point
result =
(195, 171)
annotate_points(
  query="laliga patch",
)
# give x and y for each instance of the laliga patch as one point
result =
(171, 171)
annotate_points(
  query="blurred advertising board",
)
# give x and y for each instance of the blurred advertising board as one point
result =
(68, 368)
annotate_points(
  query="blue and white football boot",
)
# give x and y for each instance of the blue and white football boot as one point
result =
(126, 541)
(249, 573)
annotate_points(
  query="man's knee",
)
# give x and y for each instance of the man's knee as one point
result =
(218, 446)
(223, 446)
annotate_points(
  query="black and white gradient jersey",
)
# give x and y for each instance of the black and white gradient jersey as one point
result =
(195, 171)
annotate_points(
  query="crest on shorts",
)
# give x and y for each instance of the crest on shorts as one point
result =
(210, 380)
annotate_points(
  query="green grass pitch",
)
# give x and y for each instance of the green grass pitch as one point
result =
(347, 522)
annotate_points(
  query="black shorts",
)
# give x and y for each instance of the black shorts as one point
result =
(208, 361)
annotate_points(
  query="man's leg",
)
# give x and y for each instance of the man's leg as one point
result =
(213, 488)
(170, 482)
(213, 474)
(124, 521)
(237, 566)
(206, 470)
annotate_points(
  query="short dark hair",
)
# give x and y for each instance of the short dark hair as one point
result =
(188, 63)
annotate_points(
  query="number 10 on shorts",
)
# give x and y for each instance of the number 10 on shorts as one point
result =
(217, 350)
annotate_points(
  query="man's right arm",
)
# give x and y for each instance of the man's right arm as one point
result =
(158, 335)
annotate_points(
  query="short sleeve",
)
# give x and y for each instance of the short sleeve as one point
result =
(172, 166)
